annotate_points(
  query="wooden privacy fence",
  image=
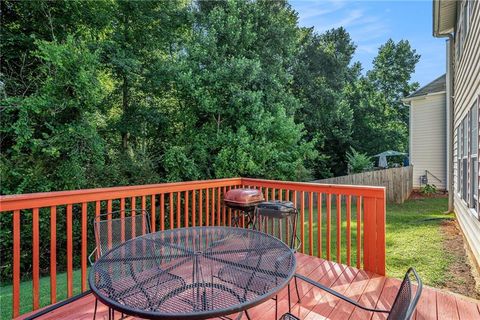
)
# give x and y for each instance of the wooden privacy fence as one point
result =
(398, 182)
(341, 223)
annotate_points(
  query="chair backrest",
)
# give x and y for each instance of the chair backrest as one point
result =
(405, 303)
(113, 229)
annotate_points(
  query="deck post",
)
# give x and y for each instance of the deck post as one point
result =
(374, 220)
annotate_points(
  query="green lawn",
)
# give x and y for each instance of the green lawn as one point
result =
(413, 239)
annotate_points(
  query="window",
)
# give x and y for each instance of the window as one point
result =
(474, 159)
(465, 160)
(459, 157)
(465, 19)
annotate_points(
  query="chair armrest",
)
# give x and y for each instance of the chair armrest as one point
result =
(338, 295)
(91, 255)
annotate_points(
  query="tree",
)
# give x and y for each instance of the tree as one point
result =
(391, 74)
(52, 136)
(322, 70)
(380, 120)
(237, 107)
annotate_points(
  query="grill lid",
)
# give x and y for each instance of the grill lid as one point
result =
(243, 197)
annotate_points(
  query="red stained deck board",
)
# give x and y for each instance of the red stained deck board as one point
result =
(447, 306)
(369, 298)
(370, 289)
(343, 309)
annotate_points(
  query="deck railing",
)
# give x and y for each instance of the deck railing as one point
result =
(342, 223)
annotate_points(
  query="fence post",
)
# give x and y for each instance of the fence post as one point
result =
(374, 250)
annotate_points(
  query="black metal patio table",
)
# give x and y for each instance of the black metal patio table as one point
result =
(192, 273)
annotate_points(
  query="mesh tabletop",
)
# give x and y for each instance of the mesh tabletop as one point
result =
(194, 273)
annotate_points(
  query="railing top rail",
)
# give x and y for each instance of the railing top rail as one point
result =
(46, 199)
(367, 191)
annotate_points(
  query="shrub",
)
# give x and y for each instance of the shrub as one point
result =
(358, 162)
(428, 190)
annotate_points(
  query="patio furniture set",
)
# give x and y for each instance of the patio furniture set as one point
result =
(210, 271)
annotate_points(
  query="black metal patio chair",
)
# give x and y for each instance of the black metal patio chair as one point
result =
(402, 308)
(113, 229)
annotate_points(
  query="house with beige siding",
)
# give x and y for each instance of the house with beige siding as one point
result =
(428, 134)
(459, 22)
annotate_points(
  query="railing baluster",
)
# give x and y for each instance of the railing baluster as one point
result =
(310, 223)
(349, 236)
(186, 213)
(339, 228)
(109, 225)
(122, 216)
(213, 206)
(369, 238)
(36, 259)
(162, 212)
(229, 211)
(170, 201)
(381, 241)
(53, 254)
(84, 246)
(200, 207)
(194, 208)
(319, 225)
(97, 208)
(328, 222)
(133, 214)
(207, 208)
(302, 221)
(16, 264)
(224, 209)
(69, 252)
(218, 207)
(153, 213)
(359, 231)
(179, 221)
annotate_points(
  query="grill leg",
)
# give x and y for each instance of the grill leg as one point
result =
(296, 288)
(248, 316)
(289, 300)
(276, 307)
(95, 311)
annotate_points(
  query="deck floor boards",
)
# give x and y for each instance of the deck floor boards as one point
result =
(370, 289)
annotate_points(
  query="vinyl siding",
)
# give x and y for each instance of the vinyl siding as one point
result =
(466, 93)
(428, 139)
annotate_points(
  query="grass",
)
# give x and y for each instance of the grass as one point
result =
(413, 238)
(26, 301)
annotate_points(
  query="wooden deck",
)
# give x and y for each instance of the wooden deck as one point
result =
(371, 289)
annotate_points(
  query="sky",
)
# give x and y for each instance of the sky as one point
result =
(372, 23)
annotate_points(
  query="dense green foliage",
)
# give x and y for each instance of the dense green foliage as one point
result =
(102, 93)
(105, 93)
(358, 162)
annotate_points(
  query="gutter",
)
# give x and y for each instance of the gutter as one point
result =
(450, 116)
